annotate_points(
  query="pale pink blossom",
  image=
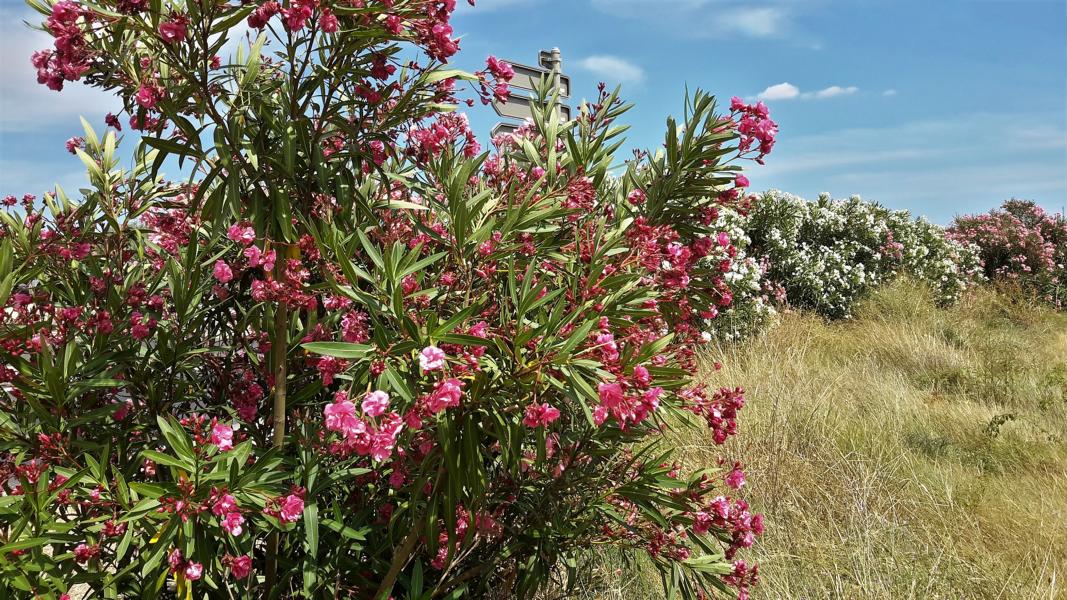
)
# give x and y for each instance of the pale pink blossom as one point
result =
(375, 403)
(222, 436)
(432, 358)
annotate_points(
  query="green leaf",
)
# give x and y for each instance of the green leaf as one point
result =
(166, 459)
(442, 74)
(339, 349)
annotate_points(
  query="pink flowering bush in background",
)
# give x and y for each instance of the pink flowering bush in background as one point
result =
(345, 352)
(1021, 244)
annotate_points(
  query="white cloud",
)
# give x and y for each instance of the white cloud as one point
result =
(890, 92)
(613, 68)
(788, 91)
(26, 105)
(780, 91)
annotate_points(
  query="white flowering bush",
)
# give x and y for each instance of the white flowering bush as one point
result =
(751, 297)
(825, 254)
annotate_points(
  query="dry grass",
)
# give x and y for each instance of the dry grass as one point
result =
(912, 452)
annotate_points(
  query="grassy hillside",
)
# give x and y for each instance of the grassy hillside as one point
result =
(911, 452)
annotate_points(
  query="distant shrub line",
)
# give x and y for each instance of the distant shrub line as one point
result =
(825, 255)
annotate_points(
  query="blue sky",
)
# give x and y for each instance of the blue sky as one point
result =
(940, 107)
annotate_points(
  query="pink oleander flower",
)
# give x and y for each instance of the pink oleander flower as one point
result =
(233, 523)
(73, 144)
(222, 272)
(291, 509)
(242, 234)
(735, 478)
(222, 436)
(540, 415)
(499, 69)
(225, 504)
(296, 16)
(194, 571)
(341, 414)
(328, 22)
(83, 553)
(147, 96)
(446, 394)
(741, 181)
(431, 358)
(174, 30)
(241, 567)
(375, 403)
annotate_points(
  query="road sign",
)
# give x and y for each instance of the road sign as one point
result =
(520, 103)
(521, 107)
(529, 78)
(503, 128)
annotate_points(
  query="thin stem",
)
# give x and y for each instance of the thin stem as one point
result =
(280, 349)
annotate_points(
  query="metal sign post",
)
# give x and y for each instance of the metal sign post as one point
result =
(519, 105)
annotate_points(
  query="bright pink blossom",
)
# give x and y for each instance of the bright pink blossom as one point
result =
(174, 30)
(233, 523)
(194, 571)
(222, 436)
(375, 403)
(291, 509)
(222, 272)
(431, 358)
(341, 414)
(241, 567)
(540, 415)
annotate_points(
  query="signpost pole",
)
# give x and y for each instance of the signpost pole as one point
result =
(556, 66)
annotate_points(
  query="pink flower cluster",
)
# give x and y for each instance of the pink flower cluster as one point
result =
(368, 435)
(191, 570)
(434, 31)
(447, 130)
(755, 126)
(70, 58)
(289, 508)
(720, 410)
(224, 506)
(540, 415)
(628, 400)
(494, 80)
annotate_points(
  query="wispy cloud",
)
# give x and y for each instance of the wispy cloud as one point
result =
(830, 92)
(613, 68)
(935, 167)
(889, 93)
(755, 22)
(484, 6)
(788, 91)
(709, 18)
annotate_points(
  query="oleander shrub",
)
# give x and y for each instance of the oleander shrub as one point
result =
(1021, 244)
(752, 297)
(824, 255)
(343, 352)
